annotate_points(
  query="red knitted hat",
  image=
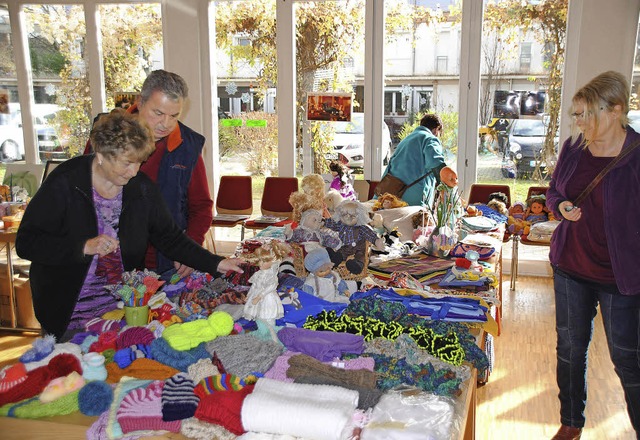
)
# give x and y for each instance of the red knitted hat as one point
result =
(12, 376)
(60, 365)
(105, 341)
(224, 408)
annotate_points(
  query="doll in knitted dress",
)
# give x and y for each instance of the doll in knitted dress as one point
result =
(263, 301)
(311, 232)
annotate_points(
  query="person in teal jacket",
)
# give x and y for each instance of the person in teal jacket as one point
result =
(415, 156)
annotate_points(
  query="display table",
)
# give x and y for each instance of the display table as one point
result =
(74, 426)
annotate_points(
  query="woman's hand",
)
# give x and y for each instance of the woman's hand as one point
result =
(101, 245)
(569, 211)
(230, 264)
(182, 270)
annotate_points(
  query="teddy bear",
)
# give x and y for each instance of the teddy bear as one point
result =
(351, 221)
(311, 232)
(323, 281)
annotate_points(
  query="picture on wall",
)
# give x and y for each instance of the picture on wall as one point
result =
(329, 106)
(124, 99)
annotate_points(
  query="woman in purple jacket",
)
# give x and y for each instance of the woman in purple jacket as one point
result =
(594, 249)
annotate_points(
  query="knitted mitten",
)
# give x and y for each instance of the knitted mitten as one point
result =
(11, 376)
(93, 366)
(125, 356)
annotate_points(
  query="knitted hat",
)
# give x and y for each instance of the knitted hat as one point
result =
(142, 368)
(65, 347)
(141, 409)
(244, 354)
(95, 398)
(86, 344)
(201, 369)
(317, 258)
(42, 347)
(178, 400)
(125, 356)
(100, 325)
(188, 335)
(134, 336)
(194, 428)
(61, 386)
(105, 341)
(34, 409)
(37, 380)
(223, 408)
(11, 376)
(219, 382)
(80, 337)
(163, 353)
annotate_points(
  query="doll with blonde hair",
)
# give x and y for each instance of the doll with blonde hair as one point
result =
(388, 201)
(263, 301)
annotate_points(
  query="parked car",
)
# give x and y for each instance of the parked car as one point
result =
(348, 142)
(12, 137)
(524, 147)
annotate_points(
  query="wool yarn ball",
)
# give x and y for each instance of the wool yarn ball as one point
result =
(221, 323)
(95, 398)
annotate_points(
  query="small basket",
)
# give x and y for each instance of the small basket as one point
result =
(301, 271)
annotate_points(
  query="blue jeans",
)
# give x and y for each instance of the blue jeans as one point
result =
(576, 306)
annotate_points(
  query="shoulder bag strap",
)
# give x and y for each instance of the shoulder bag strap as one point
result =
(624, 153)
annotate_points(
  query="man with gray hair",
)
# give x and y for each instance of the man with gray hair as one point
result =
(176, 165)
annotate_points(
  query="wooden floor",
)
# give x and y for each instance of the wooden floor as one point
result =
(520, 400)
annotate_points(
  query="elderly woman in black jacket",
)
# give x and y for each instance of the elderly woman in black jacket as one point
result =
(91, 220)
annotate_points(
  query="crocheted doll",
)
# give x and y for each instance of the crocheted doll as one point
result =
(311, 232)
(263, 301)
(388, 201)
(340, 181)
(536, 212)
(351, 222)
(515, 220)
(322, 281)
(310, 196)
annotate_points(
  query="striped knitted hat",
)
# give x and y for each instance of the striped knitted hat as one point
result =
(11, 376)
(141, 409)
(178, 399)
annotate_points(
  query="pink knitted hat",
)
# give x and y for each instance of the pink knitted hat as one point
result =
(134, 336)
(141, 409)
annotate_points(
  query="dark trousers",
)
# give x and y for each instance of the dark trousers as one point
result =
(576, 306)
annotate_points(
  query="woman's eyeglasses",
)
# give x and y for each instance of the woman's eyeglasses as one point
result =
(583, 115)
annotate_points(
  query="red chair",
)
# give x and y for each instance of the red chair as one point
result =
(480, 192)
(275, 202)
(234, 203)
(533, 191)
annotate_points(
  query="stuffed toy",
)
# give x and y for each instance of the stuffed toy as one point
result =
(311, 232)
(351, 221)
(498, 202)
(341, 179)
(263, 301)
(332, 199)
(311, 196)
(377, 223)
(388, 201)
(323, 281)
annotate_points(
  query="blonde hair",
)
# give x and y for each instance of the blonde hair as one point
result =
(270, 251)
(603, 92)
